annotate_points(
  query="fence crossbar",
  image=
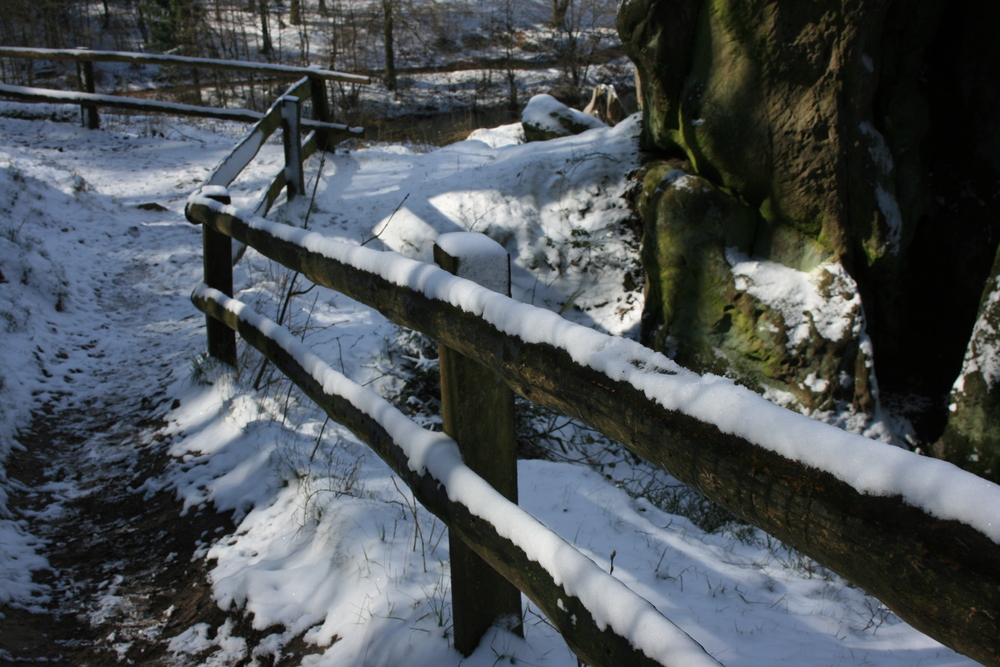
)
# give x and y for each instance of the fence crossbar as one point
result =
(47, 95)
(246, 150)
(940, 573)
(602, 620)
(86, 55)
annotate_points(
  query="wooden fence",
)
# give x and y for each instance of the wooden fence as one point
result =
(89, 100)
(940, 574)
(468, 491)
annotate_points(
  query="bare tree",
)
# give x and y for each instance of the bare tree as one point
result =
(265, 34)
(504, 34)
(559, 9)
(387, 36)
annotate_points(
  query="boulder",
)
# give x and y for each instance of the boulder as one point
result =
(546, 118)
(796, 335)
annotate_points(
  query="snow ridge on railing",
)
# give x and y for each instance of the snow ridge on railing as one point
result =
(871, 467)
(610, 602)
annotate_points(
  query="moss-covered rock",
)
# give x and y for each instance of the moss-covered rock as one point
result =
(797, 335)
(768, 99)
(860, 135)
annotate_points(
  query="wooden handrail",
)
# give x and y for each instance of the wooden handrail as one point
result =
(941, 575)
(86, 55)
(248, 147)
(46, 95)
(596, 642)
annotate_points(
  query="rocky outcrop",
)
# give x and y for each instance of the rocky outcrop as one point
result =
(546, 118)
(862, 136)
(793, 330)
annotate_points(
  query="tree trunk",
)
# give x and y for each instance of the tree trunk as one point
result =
(390, 55)
(265, 34)
(559, 10)
(295, 12)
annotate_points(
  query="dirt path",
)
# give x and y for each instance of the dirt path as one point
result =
(126, 571)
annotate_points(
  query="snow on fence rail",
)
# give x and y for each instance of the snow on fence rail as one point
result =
(920, 534)
(602, 620)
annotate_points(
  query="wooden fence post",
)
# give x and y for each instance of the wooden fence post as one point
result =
(218, 262)
(85, 75)
(321, 107)
(478, 412)
(291, 118)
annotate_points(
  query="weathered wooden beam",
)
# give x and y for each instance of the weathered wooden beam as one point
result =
(301, 89)
(291, 117)
(58, 96)
(273, 191)
(596, 645)
(218, 274)
(477, 410)
(246, 150)
(157, 59)
(941, 576)
(88, 112)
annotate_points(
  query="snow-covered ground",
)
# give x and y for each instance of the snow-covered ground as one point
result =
(329, 544)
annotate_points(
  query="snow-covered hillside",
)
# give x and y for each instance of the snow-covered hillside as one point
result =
(329, 547)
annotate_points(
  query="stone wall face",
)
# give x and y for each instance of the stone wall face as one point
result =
(819, 134)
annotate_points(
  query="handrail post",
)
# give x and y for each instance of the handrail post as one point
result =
(321, 107)
(85, 77)
(218, 262)
(291, 117)
(478, 412)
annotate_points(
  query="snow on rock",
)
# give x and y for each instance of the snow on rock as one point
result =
(825, 298)
(983, 353)
(545, 118)
(881, 156)
(498, 137)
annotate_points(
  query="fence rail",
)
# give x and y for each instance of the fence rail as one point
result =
(596, 640)
(939, 570)
(89, 100)
(46, 95)
(86, 55)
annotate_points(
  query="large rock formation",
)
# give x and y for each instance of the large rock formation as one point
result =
(853, 142)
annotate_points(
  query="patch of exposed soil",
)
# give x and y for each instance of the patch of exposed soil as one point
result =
(128, 570)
